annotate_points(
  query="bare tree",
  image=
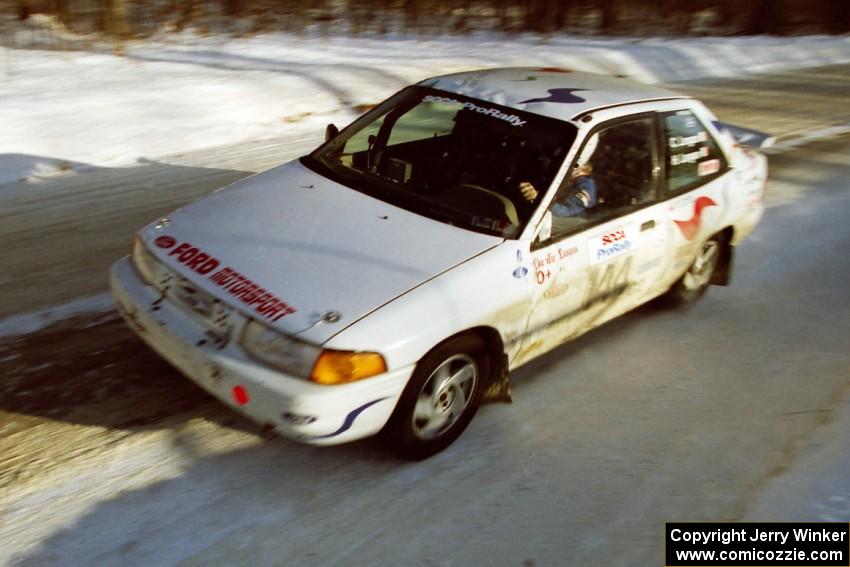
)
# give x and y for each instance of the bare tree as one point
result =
(609, 14)
(837, 14)
(113, 18)
(61, 9)
(235, 8)
(765, 17)
(536, 15)
(411, 11)
(24, 10)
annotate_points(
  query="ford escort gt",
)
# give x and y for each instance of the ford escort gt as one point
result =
(466, 225)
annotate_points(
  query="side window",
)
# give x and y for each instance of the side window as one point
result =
(692, 155)
(613, 173)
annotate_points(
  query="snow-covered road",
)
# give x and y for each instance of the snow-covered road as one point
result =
(65, 111)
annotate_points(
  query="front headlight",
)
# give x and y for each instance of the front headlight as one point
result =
(143, 260)
(323, 366)
(286, 353)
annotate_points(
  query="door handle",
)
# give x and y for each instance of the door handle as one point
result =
(650, 224)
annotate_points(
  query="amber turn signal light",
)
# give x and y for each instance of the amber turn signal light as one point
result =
(340, 367)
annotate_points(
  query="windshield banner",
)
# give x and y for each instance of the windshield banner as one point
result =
(512, 118)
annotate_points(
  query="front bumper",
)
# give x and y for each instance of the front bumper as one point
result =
(295, 407)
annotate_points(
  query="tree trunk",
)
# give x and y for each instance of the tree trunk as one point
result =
(536, 16)
(114, 18)
(61, 9)
(765, 17)
(23, 10)
(503, 14)
(560, 15)
(609, 14)
(234, 8)
(411, 16)
(838, 14)
(187, 12)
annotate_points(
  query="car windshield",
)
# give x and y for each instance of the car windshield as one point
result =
(452, 158)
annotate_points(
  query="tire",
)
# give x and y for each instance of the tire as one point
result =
(693, 283)
(440, 399)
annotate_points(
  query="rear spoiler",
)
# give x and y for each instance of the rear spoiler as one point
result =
(747, 137)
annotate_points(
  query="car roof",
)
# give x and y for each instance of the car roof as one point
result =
(550, 91)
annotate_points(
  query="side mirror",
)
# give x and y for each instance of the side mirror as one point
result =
(331, 132)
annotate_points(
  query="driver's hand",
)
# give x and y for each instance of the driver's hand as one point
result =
(528, 191)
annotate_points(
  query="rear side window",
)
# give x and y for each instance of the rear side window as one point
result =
(693, 156)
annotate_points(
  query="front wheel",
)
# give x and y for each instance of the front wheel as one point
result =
(696, 279)
(440, 400)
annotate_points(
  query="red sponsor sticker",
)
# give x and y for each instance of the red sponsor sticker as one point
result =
(165, 241)
(708, 167)
(614, 237)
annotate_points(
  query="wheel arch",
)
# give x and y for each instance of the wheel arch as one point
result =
(493, 343)
(398, 432)
(498, 355)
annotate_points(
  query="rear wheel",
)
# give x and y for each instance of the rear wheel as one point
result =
(697, 278)
(440, 400)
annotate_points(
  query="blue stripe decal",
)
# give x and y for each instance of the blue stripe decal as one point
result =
(349, 419)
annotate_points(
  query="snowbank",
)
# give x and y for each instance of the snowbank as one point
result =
(161, 98)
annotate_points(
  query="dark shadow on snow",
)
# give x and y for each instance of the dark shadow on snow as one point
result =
(91, 369)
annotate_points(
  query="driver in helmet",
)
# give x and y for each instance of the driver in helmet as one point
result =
(580, 194)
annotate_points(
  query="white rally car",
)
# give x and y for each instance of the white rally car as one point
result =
(459, 229)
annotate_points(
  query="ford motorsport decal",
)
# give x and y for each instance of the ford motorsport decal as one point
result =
(251, 294)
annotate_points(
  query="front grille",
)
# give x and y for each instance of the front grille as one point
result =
(203, 308)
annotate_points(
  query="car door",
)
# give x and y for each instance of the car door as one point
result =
(695, 186)
(592, 266)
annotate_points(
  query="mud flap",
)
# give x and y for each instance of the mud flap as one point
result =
(500, 389)
(723, 275)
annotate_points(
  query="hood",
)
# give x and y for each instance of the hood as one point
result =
(288, 245)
